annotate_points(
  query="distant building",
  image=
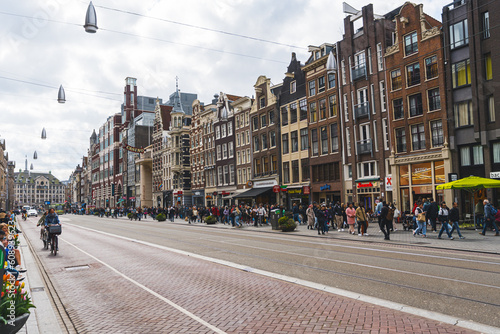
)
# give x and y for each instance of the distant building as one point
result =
(35, 189)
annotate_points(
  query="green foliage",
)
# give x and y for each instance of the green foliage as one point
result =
(210, 220)
(288, 225)
(283, 220)
(129, 215)
(60, 212)
(161, 217)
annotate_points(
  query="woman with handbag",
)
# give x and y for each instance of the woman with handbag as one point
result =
(362, 220)
(421, 221)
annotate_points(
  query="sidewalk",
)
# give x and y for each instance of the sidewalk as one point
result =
(473, 241)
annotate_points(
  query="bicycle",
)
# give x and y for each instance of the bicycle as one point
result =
(50, 237)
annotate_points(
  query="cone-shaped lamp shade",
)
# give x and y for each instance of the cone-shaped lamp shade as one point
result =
(44, 134)
(90, 20)
(35, 155)
(61, 96)
(331, 63)
(31, 167)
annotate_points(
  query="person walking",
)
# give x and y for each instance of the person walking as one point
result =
(421, 220)
(296, 213)
(432, 214)
(310, 217)
(321, 216)
(489, 217)
(384, 223)
(351, 215)
(362, 220)
(443, 218)
(337, 209)
(453, 217)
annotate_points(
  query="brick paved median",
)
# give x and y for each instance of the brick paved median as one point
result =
(232, 300)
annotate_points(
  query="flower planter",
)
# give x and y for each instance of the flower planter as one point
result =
(18, 324)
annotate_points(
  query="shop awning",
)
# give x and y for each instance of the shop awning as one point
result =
(236, 192)
(253, 192)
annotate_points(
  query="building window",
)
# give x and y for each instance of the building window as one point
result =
(434, 99)
(293, 87)
(459, 34)
(314, 140)
(304, 139)
(396, 79)
(229, 129)
(286, 172)
(418, 137)
(295, 171)
(322, 109)
(217, 132)
(334, 137)
(411, 43)
(346, 108)
(413, 74)
(255, 144)
(256, 167)
(218, 152)
(231, 174)
(262, 102)
(477, 155)
(224, 151)
(238, 140)
(304, 164)
(385, 131)
(383, 103)
(401, 140)
(272, 138)
(303, 109)
(380, 58)
(263, 121)
(331, 80)
(496, 153)
(486, 25)
(312, 88)
(342, 68)
(431, 67)
(491, 109)
(265, 164)
(321, 84)
(397, 105)
(437, 133)
(264, 141)
(332, 105)
(367, 169)
(488, 66)
(324, 140)
(294, 138)
(415, 105)
(348, 141)
(284, 116)
(313, 112)
(255, 123)
(293, 113)
(285, 147)
(230, 149)
(219, 171)
(463, 113)
(274, 163)
(271, 116)
(223, 130)
(238, 158)
(460, 73)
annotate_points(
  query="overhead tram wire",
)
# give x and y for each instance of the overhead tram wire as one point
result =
(154, 38)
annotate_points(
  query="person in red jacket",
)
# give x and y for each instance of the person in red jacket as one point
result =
(215, 212)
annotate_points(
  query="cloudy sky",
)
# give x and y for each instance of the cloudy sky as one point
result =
(43, 45)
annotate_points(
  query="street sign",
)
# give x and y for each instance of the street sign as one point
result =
(47, 202)
(388, 183)
(276, 189)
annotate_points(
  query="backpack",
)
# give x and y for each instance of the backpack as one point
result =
(390, 215)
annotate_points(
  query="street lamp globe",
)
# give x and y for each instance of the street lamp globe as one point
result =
(44, 134)
(61, 95)
(91, 20)
(35, 155)
(331, 63)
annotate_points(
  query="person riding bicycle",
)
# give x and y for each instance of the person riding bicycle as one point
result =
(24, 214)
(51, 219)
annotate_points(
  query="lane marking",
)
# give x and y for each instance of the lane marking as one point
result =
(469, 324)
(169, 302)
(356, 264)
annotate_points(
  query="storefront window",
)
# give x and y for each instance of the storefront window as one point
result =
(421, 173)
(404, 179)
(405, 200)
(439, 176)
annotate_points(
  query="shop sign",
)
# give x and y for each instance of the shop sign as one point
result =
(307, 190)
(214, 193)
(179, 192)
(225, 193)
(295, 191)
(276, 189)
(133, 149)
(262, 184)
(249, 184)
(208, 197)
(365, 184)
(454, 176)
(495, 175)
(325, 187)
(197, 193)
(388, 183)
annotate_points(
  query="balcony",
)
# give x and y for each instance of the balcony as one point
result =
(362, 110)
(358, 72)
(365, 146)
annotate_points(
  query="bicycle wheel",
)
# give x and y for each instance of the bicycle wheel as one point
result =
(52, 244)
(55, 242)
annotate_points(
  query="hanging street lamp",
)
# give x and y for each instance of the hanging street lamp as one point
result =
(61, 96)
(331, 63)
(91, 20)
(35, 155)
(44, 134)
(31, 167)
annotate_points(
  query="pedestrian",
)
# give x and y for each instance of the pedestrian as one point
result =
(421, 221)
(453, 217)
(384, 223)
(443, 219)
(351, 215)
(432, 214)
(310, 217)
(362, 219)
(337, 209)
(489, 217)
(320, 215)
(479, 213)
(296, 213)
(261, 213)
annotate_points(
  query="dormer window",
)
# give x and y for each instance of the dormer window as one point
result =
(262, 102)
(293, 87)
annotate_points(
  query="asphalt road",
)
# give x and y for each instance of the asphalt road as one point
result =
(456, 283)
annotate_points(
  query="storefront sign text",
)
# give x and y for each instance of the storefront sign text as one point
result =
(325, 187)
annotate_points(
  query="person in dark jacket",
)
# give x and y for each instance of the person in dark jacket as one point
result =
(432, 214)
(384, 223)
(453, 216)
(296, 213)
(321, 216)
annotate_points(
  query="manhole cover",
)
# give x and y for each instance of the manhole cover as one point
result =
(77, 267)
(37, 289)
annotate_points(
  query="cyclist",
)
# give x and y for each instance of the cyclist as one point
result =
(51, 219)
(25, 214)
